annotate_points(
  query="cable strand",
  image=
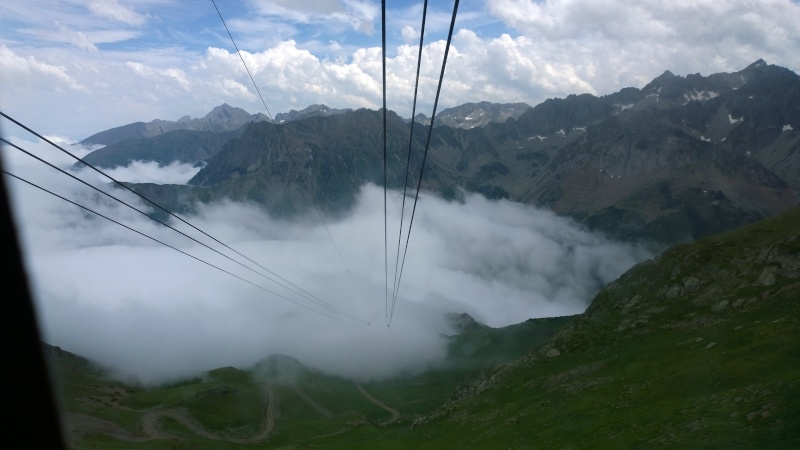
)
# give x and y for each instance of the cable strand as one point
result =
(385, 175)
(427, 142)
(395, 286)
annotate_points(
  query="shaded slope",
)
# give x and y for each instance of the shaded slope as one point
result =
(336, 156)
(668, 183)
(183, 146)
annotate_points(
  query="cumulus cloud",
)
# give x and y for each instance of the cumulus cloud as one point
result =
(154, 314)
(28, 70)
(629, 41)
(154, 75)
(293, 76)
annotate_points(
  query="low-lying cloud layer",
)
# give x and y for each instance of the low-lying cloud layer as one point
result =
(154, 314)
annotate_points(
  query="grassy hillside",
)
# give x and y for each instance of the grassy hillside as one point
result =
(696, 349)
(279, 402)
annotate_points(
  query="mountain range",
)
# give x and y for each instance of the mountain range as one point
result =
(681, 158)
(220, 119)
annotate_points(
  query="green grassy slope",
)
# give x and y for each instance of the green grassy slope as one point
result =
(696, 349)
(230, 404)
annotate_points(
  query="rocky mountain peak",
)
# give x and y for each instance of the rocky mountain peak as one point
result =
(226, 112)
(759, 63)
(665, 79)
(463, 322)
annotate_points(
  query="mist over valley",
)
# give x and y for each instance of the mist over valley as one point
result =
(153, 314)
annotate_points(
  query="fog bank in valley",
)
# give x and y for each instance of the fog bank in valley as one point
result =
(153, 314)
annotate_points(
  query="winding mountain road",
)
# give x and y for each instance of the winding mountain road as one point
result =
(83, 423)
(395, 413)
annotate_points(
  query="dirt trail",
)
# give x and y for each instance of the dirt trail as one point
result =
(320, 409)
(395, 413)
(271, 410)
(82, 423)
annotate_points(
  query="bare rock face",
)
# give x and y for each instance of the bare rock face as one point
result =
(473, 115)
(311, 111)
(475, 384)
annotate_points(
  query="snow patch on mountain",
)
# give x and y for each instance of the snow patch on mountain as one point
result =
(700, 96)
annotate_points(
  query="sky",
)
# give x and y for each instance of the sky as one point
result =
(152, 314)
(71, 68)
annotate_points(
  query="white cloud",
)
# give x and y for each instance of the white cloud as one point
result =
(151, 172)
(232, 89)
(357, 15)
(153, 75)
(286, 72)
(633, 41)
(111, 9)
(77, 38)
(259, 32)
(24, 71)
(409, 34)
